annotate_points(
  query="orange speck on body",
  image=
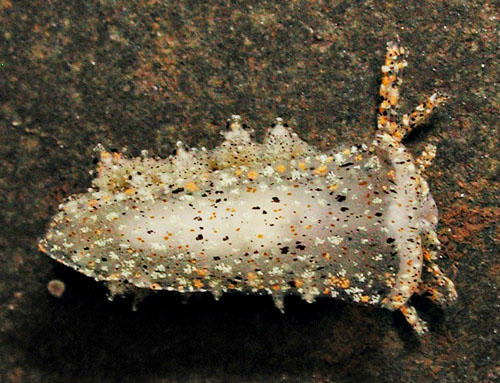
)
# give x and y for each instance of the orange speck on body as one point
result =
(320, 170)
(155, 286)
(105, 155)
(281, 168)
(341, 282)
(396, 298)
(201, 272)
(252, 174)
(191, 186)
(427, 255)
(251, 276)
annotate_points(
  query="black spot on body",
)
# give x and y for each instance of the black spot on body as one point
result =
(341, 198)
(346, 164)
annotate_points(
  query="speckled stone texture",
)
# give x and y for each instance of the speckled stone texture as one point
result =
(147, 74)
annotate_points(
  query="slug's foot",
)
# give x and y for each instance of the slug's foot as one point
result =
(387, 119)
(437, 286)
(389, 88)
(434, 284)
(421, 113)
(413, 319)
(424, 160)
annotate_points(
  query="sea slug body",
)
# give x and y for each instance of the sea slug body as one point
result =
(277, 218)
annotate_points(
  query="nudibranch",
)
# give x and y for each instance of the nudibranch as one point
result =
(277, 217)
